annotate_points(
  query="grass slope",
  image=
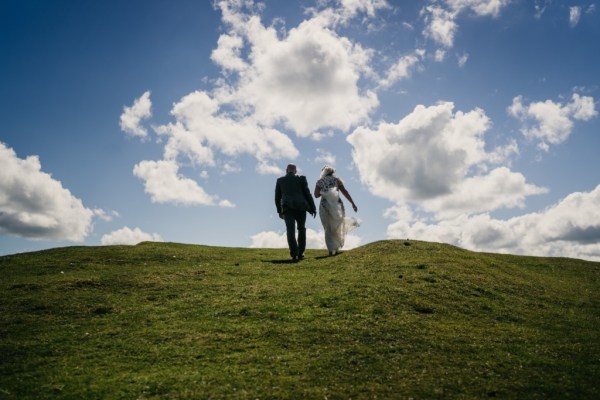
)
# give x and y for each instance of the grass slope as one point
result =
(392, 319)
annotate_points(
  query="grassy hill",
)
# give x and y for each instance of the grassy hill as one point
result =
(392, 319)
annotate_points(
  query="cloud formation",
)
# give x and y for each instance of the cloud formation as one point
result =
(273, 83)
(574, 15)
(436, 157)
(201, 130)
(550, 122)
(132, 117)
(569, 228)
(293, 78)
(164, 184)
(34, 205)
(402, 68)
(440, 16)
(129, 236)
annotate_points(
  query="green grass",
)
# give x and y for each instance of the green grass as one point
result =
(392, 319)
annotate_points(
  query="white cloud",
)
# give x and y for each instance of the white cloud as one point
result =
(164, 184)
(499, 188)
(352, 7)
(440, 55)
(440, 17)
(441, 25)
(341, 12)
(226, 204)
(435, 157)
(318, 136)
(314, 240)
(104, 215)
(129, 236)
(402, 68)
(228, 53)
(462, 59)
(271, 81)
(550, 122)
(36, 206)
(202, 128)
(479, 7)
(574, 15)
(293, 79)
(325, 157)
(133, 116)
(569, 228)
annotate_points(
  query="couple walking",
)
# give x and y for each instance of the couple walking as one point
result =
(293, 200)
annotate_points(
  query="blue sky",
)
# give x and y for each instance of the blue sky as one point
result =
(467, 122)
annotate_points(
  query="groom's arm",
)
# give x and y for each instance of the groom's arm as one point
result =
(278, 198)
(308, 196)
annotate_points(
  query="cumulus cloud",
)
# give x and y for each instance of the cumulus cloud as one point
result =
(440, 25)
(500, 188)
(293, 78)
(568, 228)
(134, 115)
(129, 236)
(550, 122)
(36, 206)
(440, 16)
(314, 240)
(274, 83)
(164, 184)
(201, 129)
(228, 53)
(436, 157)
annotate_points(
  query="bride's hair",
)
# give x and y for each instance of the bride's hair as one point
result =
(327, 170)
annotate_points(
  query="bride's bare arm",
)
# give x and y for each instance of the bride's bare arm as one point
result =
(347, 195)
(317, 191)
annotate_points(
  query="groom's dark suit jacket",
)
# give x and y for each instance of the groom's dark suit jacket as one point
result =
(292, 193)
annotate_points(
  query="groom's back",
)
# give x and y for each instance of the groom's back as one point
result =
(292, 189)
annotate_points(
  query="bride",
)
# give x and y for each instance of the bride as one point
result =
(331, 209)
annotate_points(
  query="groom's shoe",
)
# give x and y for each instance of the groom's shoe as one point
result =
(294, 259)
(301, 257)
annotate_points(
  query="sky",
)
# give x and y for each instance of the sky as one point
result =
(468, 122)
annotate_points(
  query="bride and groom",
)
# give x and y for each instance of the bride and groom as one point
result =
(293, 200)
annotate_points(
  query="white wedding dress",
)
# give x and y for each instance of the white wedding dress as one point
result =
(333, 215)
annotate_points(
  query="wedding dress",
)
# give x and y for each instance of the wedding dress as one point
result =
(333, 215)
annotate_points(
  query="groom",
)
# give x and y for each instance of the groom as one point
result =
(293, 200)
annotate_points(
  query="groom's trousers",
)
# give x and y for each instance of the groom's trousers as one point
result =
(293, 219)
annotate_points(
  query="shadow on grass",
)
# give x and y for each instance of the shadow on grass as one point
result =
(286, 261)
(290, 261)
